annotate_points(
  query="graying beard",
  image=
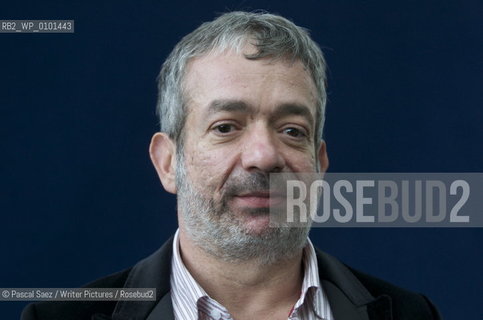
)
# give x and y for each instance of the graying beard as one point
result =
(218, 234)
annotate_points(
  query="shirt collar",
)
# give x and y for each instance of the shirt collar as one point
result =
(311, 291)
(186, 289)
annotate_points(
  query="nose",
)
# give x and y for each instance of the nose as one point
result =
(261, 152)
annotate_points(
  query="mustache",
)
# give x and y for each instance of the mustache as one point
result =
(253, 182)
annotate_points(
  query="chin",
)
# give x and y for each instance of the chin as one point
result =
(258, 226)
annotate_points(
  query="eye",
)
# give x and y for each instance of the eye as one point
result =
(224, 128)
(295, 132)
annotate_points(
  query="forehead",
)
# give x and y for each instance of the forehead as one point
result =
(229, 75)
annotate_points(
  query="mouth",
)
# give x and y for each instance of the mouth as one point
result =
(260, 199)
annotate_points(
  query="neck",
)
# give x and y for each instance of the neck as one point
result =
(248, 287)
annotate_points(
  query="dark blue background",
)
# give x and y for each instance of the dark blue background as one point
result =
(79, 198)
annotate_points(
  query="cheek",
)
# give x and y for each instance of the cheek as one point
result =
(300, 161)
(207, 167)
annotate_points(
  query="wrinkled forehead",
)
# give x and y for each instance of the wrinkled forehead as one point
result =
(231, 73)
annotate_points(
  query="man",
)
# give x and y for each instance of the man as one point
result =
(241, 97)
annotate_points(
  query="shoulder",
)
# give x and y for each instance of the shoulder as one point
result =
(380, 297)
(405, 303)
(61, 310)
(151, 272)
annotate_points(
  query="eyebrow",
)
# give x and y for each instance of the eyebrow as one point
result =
(282, 110)
(229, 106)
(288, 109)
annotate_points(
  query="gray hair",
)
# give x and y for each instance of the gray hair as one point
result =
(273, 36)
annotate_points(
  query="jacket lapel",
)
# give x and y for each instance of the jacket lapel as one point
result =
(100, 316)
(151, 272)
(162, 310)
(348, 298)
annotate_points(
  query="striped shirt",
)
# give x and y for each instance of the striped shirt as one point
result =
(191, 302)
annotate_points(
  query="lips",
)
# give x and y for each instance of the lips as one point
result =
(260, 199)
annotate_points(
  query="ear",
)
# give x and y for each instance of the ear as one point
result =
(163, 155)
(323, 158)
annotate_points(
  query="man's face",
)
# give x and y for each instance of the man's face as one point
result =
(246, 119)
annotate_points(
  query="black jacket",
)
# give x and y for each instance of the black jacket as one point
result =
(352, 295)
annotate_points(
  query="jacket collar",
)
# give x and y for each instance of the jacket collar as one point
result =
(151, 272)
(348, 298)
